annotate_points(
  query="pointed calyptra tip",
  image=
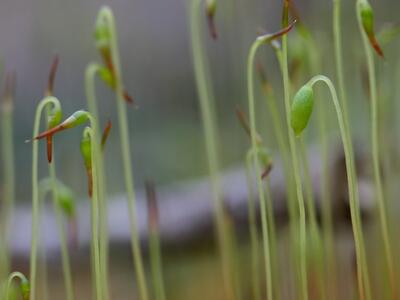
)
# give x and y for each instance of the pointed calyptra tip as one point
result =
(263, 77)
(211, 7)
(245, 124)
(152, 207)
(108, 76)
(302, 108)
(267, 38)
(106, 133)
(267, 170)
(52, 76)
(376, 46)
(367, 20)
(49, 140)
(261, 72)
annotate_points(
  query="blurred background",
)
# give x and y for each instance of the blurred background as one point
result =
(166, 130)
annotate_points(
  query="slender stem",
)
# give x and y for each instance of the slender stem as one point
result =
(337, 41)
(91, 72)
(282, 142)
(127, 162)
(272, 239)
(256, 164)
(283, 62)
(255, 257)
(362, 269)
(206, 100)
(375, 157)
(278, 129)
(9, 183)
(66, 266)
(95, 215)
(314, 229)
(35, 195)
(156, 264)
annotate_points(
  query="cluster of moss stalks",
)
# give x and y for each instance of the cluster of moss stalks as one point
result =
(311, 255)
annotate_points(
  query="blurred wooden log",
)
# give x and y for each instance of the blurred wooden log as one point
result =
(186, 208)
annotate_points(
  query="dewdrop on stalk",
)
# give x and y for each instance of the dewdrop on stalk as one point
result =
(302, 108)
(54, 114)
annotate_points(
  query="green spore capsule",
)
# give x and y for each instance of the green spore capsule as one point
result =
(77, 118)
(66, 201)
(367, 17)
(107, 76)
(302, 108)
(25, 289)
(86, 150)
(102, 33)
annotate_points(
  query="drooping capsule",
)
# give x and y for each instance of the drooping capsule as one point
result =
(86, 151)
(211, 7)
(103, 38)
(302, 108)
(54, 118)
(77, 118)
(108, 76)
(25, 288)
(367, 21)
(66, 200)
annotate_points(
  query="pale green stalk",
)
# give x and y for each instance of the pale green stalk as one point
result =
(313, 54)
(206, 101)
(285, 158)
(283, 61)
(66, 265)
(95, 213)
(362, 269)
(272, 239)
(35, 195)
(156, 264)
(253, 230)
(337, 41)
(256, 164)
(126, 157)
(314, 229)
(375, 156)
(7, 147)
(91, 72)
